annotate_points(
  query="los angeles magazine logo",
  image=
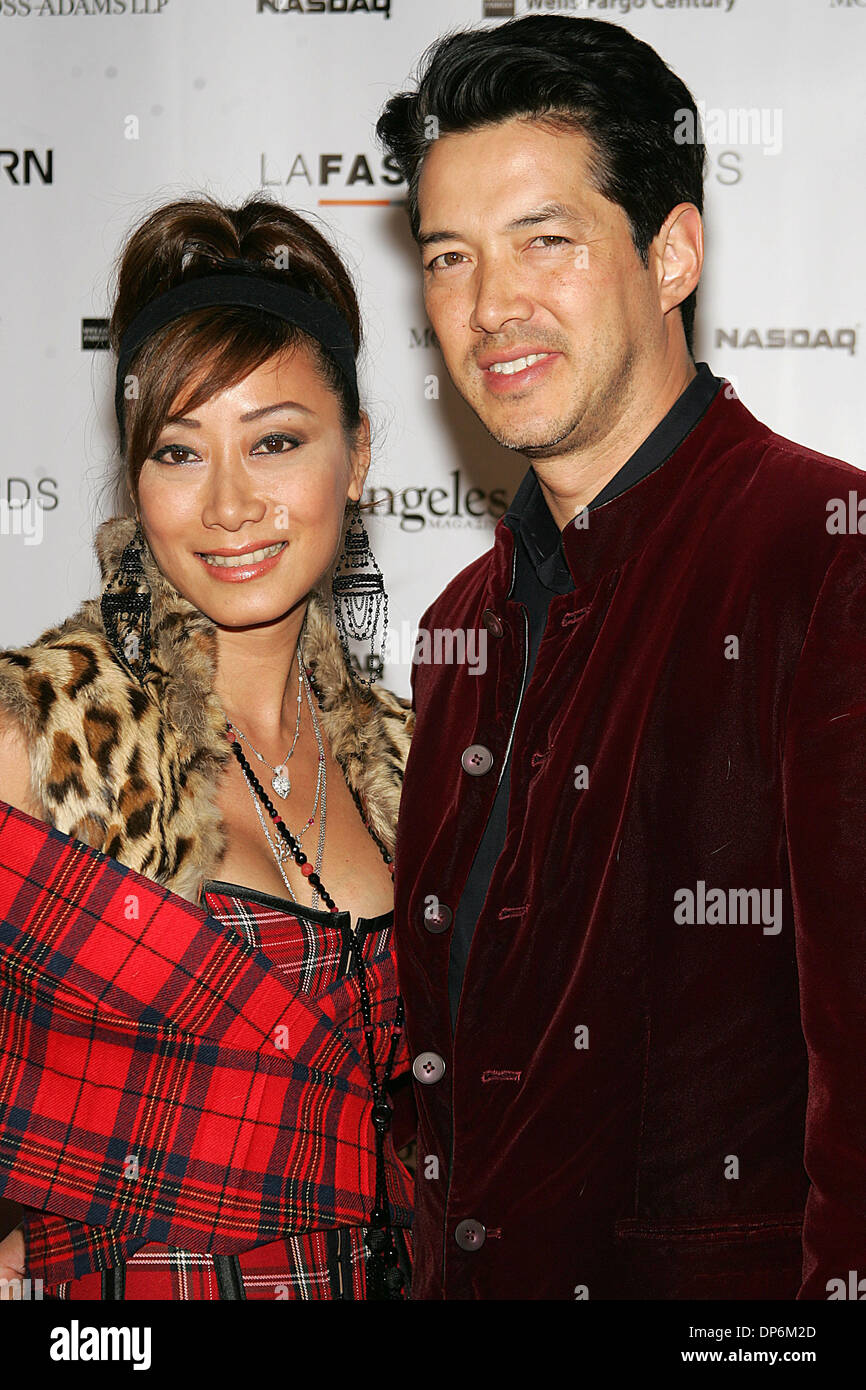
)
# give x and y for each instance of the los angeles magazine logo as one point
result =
(451, 506)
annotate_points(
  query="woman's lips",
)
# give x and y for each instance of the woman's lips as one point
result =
(235, 569)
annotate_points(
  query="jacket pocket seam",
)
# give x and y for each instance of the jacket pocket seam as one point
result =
(735, 1229)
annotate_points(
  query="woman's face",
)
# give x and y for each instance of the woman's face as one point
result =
(263, 466)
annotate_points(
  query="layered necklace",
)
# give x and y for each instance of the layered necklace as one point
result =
(384, 1275)
(282, 785)
(281, 782)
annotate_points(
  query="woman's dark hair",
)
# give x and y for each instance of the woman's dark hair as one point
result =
(189, 238)
(567, 73)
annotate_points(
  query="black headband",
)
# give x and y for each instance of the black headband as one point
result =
(322, 321)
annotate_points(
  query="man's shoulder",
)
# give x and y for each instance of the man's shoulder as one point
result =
(778, 509)
(772, 496)
(787, 464)
(777, 464)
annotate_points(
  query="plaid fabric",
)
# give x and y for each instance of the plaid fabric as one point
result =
(165, 1086)
(309, 1266)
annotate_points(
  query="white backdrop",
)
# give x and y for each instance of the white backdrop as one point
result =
(110, 107)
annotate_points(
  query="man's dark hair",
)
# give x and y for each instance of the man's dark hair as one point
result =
(583, 74)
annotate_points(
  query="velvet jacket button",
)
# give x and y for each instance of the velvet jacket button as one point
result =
(476, 760)
(437, 917)
(428, 1067)
(470, 1235)
(492, 623)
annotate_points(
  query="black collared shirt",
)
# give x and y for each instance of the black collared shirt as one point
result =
(541, 571)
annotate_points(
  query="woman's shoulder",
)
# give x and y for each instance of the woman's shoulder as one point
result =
(56, 667)
(16, 786)
(48, 687)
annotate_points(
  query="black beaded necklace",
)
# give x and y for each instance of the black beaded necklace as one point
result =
(384, 1275)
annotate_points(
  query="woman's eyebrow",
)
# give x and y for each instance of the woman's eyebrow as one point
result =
(194, 424)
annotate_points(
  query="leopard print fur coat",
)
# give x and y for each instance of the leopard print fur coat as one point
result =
(133, 769)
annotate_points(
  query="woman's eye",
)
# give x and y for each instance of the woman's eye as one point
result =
(161, 455)
(274, 443)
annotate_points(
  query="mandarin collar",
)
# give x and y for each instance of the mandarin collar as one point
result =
(530, 517)
(616, 529)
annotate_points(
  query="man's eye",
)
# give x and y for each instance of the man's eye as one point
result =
(274, 443)
(161, 455)
(431, 265)
(552, 237)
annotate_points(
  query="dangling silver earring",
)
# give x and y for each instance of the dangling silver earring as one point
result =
(360, 600)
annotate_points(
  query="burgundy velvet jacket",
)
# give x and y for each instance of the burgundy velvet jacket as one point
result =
(636, 1105)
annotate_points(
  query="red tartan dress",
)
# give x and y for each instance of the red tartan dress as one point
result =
(311, 955)
(313, 962)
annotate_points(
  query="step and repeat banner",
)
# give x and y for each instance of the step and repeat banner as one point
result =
(110, 107)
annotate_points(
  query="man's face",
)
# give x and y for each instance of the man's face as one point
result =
(521, 257)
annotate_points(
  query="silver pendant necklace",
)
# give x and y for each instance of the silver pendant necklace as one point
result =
(281, 849)
(281, 782)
